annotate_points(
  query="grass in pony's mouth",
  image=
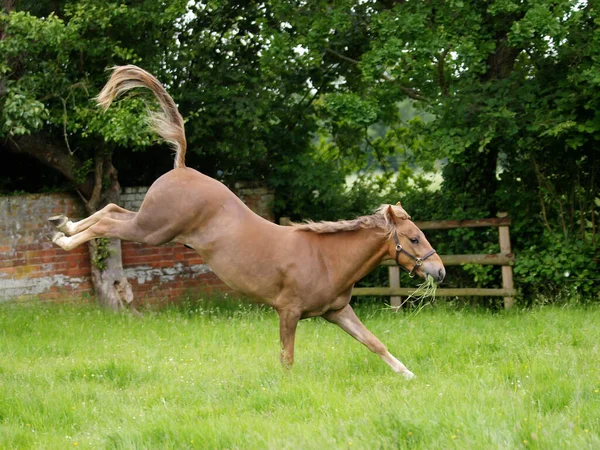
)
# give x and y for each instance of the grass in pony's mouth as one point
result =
(426, 289)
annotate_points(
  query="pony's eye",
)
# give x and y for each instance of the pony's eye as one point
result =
(414, 240)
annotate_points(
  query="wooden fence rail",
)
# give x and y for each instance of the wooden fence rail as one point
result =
(505, 259)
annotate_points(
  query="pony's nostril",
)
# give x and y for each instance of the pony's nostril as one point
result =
(441, 275)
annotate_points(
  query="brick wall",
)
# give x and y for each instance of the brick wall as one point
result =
(29, 263)
(258, 198)
(31, 266)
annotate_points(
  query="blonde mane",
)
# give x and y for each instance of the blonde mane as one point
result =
(379, 219)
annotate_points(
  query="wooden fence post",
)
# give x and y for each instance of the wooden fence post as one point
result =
(507, 271)
(394, 273)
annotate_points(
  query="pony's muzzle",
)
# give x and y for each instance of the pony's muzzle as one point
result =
(436, 271)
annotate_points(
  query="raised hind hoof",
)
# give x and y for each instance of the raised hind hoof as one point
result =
(58, 221)
(62, 223)
(54, 237)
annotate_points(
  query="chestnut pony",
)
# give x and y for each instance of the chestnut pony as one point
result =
(303, 270)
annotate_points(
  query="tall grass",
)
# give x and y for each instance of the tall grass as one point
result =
(197, 377)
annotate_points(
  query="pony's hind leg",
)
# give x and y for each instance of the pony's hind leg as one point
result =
(63, 224)
(126, 230)
(348, 321)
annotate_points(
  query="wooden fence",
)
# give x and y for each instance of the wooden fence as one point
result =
(505, 259)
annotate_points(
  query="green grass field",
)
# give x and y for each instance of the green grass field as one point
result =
(75, 376)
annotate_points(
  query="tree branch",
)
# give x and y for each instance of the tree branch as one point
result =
(53, 154)
(9, 5)
(540, 197)
(94, 200)
(441, 67)
(410, 92)
(339, 55)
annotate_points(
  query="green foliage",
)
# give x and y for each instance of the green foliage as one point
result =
(53, 64)
(20, 114)
(84, 170)
(243, 92)
(566, 270)
(103, 252)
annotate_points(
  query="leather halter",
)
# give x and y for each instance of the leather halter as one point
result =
(418, 260)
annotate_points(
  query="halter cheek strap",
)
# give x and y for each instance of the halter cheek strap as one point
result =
(418, 260)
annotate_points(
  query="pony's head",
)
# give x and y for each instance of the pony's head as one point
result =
(409, 247)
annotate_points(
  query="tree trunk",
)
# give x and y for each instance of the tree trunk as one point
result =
(111, 286)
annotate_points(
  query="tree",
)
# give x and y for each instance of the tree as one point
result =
(512, 89)
(250, 111)
(53, 60)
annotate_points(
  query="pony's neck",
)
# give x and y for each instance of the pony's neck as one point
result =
(351, 255)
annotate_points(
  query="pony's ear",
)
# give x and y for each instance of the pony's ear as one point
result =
(389, 212)
(396, 213)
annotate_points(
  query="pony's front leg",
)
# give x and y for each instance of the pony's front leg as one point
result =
(347, 320)
(63, 224)
(288, 321)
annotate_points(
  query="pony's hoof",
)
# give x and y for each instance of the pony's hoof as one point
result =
(58, 221)
(408, 375)
(54, 237)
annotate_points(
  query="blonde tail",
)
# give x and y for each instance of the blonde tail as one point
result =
(168, 123)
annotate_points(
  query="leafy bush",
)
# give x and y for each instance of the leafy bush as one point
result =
(559, 268)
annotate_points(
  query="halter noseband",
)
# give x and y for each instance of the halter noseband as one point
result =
(418, 261)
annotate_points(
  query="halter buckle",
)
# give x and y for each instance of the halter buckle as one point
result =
(418, 262)
(398, 248)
